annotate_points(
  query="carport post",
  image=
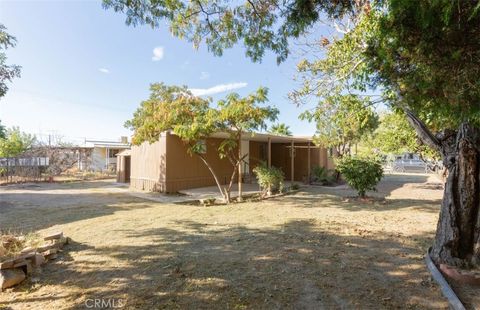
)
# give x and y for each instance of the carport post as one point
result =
(292, 162)
(269, 158)
(308, 165)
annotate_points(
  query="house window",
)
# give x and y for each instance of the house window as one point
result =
(201, 147)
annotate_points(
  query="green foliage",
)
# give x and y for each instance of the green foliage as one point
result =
(16, 142)
(237, 115)
(3, 132)
(280, 129)
(176, 109)
(173, 108)
(428, 55)
(362, 174)
(394, 135)
(270, 179)
(260, 25)
(342, 120)
(7, 72)
(322, 175)
(294, 187)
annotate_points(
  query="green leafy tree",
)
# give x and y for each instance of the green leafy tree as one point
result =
(3, 131)
(280, 129)
(395, 135)
(342, 120)
(424, 56)
(7, 72)
(192, 119)
(239, 116)
(16, 143)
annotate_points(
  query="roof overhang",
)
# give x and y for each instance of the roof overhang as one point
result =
(263, 137)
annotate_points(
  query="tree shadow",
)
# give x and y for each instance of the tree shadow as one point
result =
(382, 200)
(30, 211)
(203, 266)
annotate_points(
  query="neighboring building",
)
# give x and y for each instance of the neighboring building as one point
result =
(166, 166)
(103, 154)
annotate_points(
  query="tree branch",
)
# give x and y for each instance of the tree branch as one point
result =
(422, 131)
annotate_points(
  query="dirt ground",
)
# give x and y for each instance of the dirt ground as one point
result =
(310, 250)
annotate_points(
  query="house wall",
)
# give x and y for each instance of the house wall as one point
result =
(148, 166)
(123, 169)
(281, 159)
(257, 156)
(98, 159)
(166, 165)
(188, 171)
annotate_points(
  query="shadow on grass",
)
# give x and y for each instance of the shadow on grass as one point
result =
(307, 199)
(196, 265)
(30, 211)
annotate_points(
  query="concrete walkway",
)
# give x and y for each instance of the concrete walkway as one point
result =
(184, 195)
(213, 192)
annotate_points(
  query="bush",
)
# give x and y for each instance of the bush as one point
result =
(270, 179)
(362, 174)
(322, 175)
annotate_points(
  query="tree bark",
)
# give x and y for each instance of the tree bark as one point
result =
(457, 239)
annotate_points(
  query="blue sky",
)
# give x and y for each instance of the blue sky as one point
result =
(84, 71)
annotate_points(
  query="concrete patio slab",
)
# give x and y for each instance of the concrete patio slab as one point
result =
(213, 192)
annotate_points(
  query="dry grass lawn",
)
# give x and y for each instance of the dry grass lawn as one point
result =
(311, 250)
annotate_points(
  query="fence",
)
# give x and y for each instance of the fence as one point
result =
(22, 169)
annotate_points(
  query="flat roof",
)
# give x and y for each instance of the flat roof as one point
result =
(112, 144)
(263, 137)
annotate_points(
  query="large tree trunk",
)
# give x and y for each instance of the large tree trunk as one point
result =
(457, 240)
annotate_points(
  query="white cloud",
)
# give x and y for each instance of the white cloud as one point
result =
(204, 75)
(158, 53)
(217, 89)
(104, 70)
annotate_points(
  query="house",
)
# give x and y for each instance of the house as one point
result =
(166, 166)
(103, 154)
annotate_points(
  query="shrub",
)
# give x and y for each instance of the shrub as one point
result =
(322, 175)
(270, 179)
(294, 187)
(362, 174)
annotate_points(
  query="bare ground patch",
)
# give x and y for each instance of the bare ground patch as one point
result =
(304, 251)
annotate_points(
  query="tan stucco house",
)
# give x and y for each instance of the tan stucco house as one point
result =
(166, 166)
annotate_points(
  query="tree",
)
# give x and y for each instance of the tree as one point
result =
(193, 120)
(342, 120)
(394, 135)
(16, 143)
(280, 129)
(7, 72)
(2, 131)
(423, 56)
(238, 116)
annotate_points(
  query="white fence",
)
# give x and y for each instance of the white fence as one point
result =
(24, 162)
